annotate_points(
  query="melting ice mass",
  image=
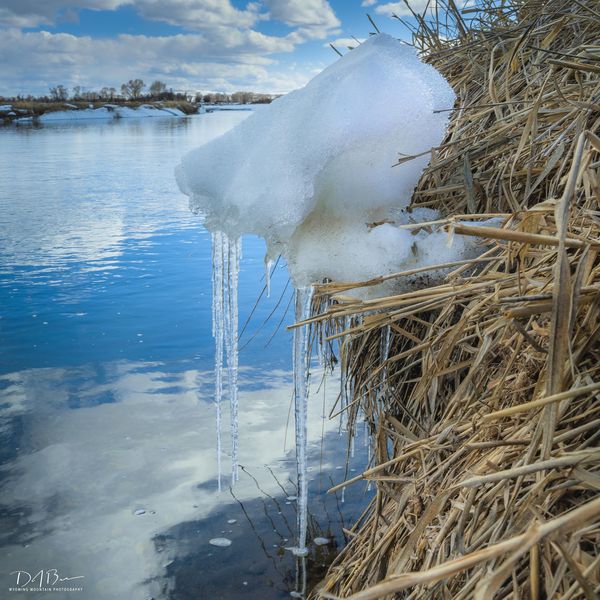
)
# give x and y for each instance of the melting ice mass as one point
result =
(313, 174)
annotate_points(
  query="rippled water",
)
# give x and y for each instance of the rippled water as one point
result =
(108, 467)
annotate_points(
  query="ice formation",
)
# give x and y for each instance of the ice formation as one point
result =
(313, 172)
(220, 542)
(313, 175)
(321, 541)
(301, 361)
(226, 266)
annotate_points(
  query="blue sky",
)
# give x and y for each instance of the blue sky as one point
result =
(192, 45)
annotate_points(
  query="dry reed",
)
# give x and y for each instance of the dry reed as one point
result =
(482, 393)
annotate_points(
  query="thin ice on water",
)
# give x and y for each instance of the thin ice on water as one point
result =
(301, 387)
(226, 262)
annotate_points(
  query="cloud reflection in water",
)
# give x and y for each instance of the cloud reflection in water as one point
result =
(143, 439)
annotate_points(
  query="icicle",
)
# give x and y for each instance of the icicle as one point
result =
(218, 328)
(301, 579)
(231, 338)
(385, 344)
(301, 386)
(321, 345)
(344, 382)
(324, 346)
(370, 484)
(268, 267)
(226, 264)
(386, 341)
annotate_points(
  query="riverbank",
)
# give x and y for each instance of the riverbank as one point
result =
(24, 110)
(482, 394)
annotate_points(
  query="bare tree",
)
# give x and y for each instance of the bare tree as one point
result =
(133, 88)
(243, 97)
(157, 88)
(59, 93)
(107, 93)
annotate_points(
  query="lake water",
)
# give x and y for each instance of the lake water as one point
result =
(108, 464)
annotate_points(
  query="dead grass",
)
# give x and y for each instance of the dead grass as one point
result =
(482, 393)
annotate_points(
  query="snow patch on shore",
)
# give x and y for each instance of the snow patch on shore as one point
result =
(107, 112)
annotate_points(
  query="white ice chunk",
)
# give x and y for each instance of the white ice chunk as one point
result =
(313, 172)
(221, 542)
(321, 541)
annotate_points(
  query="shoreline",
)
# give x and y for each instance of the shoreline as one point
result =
(25, 112)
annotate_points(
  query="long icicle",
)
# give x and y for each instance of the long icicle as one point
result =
(233, 263)
(218, 331)
(226, 265)
(301, 388)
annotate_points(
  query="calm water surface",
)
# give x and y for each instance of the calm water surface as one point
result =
(108, 466)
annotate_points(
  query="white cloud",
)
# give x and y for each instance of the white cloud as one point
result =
(401, 9)
(368, 2)
(312, 16)
(222, 59)
(199, 15)
(311, 13)
(222, 49)
(313, 19)
(191, 14)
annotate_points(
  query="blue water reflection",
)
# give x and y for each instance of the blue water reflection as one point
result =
(123, 489)
(100, 257)
(106, 378)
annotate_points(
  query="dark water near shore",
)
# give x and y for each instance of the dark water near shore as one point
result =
(108, 465)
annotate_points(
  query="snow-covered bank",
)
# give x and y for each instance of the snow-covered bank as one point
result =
(111, 111)
(220, 107)
(64, 111)
(49, 113)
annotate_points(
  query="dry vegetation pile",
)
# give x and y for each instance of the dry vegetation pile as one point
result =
(483, 393)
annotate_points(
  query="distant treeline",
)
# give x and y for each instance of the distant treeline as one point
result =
(136, 90)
